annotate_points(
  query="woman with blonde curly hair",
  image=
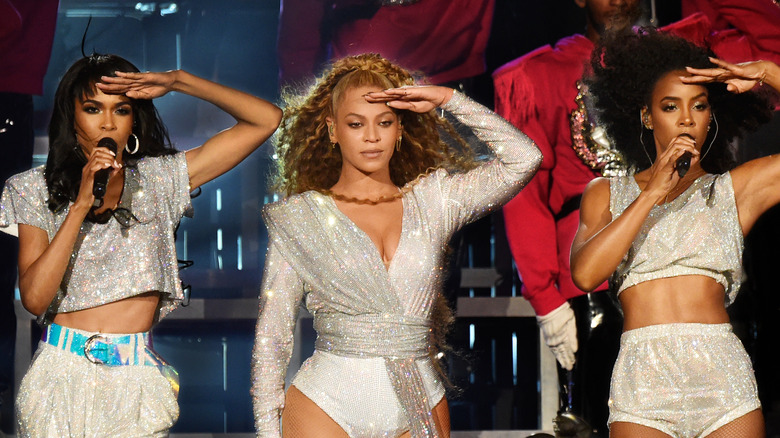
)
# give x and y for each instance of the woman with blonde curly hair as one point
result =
(374, 195)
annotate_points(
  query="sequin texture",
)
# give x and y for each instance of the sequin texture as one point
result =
(318, 256)
(110, 262)
(709, 244)
(686, 380)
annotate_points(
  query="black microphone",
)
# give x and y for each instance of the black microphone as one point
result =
(684, 162)
(101, 176)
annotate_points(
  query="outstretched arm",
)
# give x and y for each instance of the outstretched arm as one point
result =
(757, 182)
(256, 119)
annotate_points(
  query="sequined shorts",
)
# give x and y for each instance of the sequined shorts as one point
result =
(358, 395)
(65, 394)
(686, 380)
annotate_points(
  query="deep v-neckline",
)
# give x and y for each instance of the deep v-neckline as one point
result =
(368, 239)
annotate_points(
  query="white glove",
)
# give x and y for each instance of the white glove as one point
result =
(560, 334)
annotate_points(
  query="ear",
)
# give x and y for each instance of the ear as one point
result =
(331, 129)
(647, 118)
(581, 3)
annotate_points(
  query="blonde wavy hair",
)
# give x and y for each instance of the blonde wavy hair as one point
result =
(306, 159)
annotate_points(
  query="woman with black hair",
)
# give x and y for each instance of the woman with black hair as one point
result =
(670, 235)
(100, 272)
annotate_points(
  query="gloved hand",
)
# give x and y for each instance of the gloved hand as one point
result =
(560, 334)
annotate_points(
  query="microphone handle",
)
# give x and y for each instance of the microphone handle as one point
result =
(683, 164)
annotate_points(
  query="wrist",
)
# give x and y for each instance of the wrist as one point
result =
(79, 209)
(448, 93)
(651, 197)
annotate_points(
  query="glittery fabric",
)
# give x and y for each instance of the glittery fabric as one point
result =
(318, 255)
(109, 262)
(686, 380)
(65, 395)
(709, 242)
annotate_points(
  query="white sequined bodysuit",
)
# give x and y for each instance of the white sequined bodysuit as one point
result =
(370, 371)
(697, 233)
(110, 262)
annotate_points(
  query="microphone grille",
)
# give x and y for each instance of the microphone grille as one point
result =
(108, 143)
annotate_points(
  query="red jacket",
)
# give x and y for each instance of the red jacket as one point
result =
(536, 93)
(26, 37)
(444, 39)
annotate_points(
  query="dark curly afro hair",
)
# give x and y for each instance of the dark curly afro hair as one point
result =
(625, 69)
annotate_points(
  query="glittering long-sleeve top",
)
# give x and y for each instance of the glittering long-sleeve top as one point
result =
(316, 254)
(111, 262)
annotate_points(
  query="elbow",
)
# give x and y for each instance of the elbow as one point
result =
(537, 158)
(32, 301)
(583, 278)
(275, 118)
(584, 284)
(36, 307)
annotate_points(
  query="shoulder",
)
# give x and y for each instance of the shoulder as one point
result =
(572, 49)
(519, 65)
(28, 184)
(599, 187)
(294, 206)
(33, 176)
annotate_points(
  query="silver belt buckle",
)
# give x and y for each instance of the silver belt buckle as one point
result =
(88, 348)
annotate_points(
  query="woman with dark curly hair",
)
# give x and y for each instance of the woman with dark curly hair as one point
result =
(374, 195)
(97, 264)
(670, 235)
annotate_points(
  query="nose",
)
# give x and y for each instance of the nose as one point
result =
(686, 120)
(371, 133)
(108, 123)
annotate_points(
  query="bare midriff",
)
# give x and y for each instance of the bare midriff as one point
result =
(681, 299)
(131, 315)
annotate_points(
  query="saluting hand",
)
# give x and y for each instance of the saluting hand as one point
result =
(418, 98)
(138, 85)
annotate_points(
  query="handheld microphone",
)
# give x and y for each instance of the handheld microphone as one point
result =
(684, 162)
(101, 176)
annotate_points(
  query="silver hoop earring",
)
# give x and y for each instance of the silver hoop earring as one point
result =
(714, 136)
(137, 144)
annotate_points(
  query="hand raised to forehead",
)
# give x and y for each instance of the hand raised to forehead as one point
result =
(420, 98)
(138, 85)
(737, 77)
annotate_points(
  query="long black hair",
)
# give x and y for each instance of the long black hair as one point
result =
(66, 159)
(626, 67)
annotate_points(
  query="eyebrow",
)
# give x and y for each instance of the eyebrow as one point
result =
(693, 98)
(362, 116)
(98, 103)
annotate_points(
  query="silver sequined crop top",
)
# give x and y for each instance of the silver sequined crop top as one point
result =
(109, 262)
(698, 233)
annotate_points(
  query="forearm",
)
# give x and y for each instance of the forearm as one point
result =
(771, 75)
(513, 148)
(41, 279)
(595, 259)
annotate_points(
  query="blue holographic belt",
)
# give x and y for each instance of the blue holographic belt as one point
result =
(110, 349)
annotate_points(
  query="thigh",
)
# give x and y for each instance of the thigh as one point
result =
(302, 418)
(622, 429)
(441, 417)
(750, 425)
